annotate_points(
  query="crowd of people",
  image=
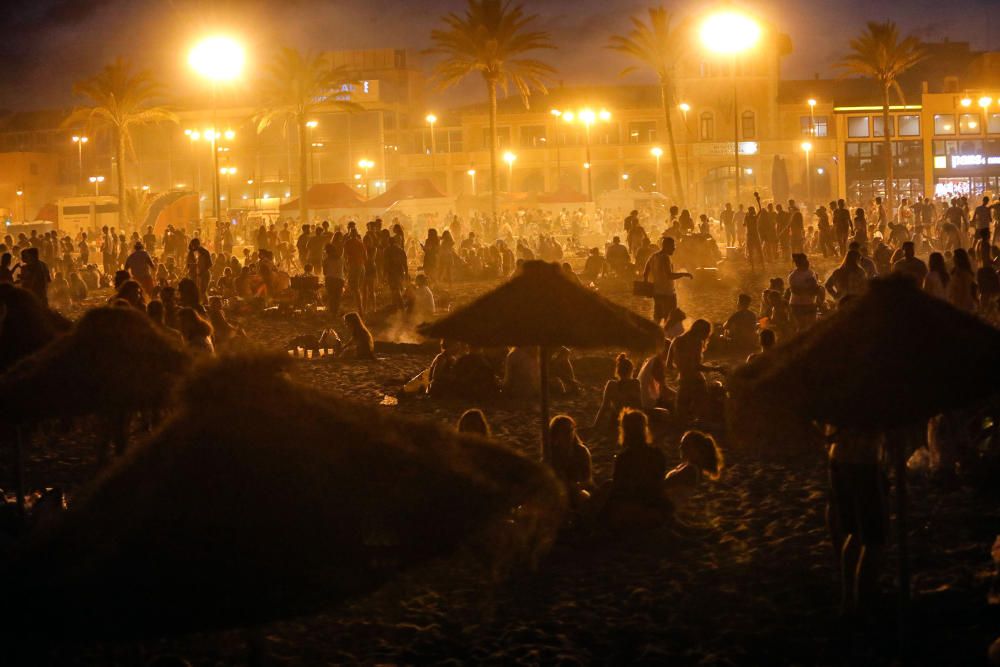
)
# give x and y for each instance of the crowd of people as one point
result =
(194, 287)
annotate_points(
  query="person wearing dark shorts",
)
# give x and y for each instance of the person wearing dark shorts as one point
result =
(858, 516)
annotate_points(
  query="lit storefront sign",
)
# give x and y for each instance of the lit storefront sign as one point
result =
(967, 161)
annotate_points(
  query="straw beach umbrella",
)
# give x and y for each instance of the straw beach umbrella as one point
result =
(541, 307)
(112, 364)
(890, 359)
(261, 499)
(25, 325)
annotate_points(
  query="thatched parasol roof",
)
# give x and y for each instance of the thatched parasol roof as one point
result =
(262, 498)
(892, 357)
(541, 306)
(25, 324)
(114, 361)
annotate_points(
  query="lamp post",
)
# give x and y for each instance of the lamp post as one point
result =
(812, 116)
(586, 117)
(79, 140)
(20, 200)
(985, 103)
(685, 108)
(220, 60)
(97, 180)
(365, 166)
(472, 177)
(510, 158)
(310, 126)
(731, 33)
(807, 147)
(228, 172)
(432, 120)
(657, 153)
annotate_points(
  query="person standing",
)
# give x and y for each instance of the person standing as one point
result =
(661, 268)
(842, 226)
(140, 265)
(199, 264)
(35, 276)
(981, 218)
(728, 220)
(755, 249)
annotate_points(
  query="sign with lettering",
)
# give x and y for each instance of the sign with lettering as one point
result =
(720, 148)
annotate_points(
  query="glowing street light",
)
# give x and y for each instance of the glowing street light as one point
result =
(731, 33)
(432, 120)
(684, 107)
(812, 116)
(218, 59)
(20, 200)
(97, 180)
(510, 158)
(229, 172)
(966, 102)
(79, 140)
(472, 177)
(657, 152)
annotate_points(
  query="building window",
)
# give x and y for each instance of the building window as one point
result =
(909, 126)
(454, 141)
(857, 126)
(749, 125)
(607, 133)
(503, 137)
(642, 132)
(969, 123)
(533, 136)
(814, 126)
(877, 126)
(944, 123)
(706, 126)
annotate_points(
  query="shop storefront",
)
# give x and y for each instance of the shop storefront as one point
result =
(967, 167)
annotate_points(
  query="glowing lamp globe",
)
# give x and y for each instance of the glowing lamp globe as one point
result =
(217, 58)
(729, 32)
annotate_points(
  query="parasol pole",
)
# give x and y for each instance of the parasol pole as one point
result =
(543, 374)
(19, 471)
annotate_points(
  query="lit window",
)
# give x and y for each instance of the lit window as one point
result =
(857, 126)
(944, 123)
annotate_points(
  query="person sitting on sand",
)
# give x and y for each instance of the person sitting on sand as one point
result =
(361, 343)
(595, 266)
(654, 392)
(473, 421)
(131, 292)
(741, 327)
(570, 460)
(561, 372)
(858, 517)
(197, 333)
(686, 356)
(767, 341)
(700, 457)
(442, 370)
(188, 296)
(637, 499)
(521, 376)
(224, 331)
(474, 376)
(620, 392)
(674, 324)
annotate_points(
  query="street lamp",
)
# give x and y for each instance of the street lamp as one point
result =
(624, 181)
(20, 201)
(310, 126)
(229, 172)
(731, 33)
(966, 102)
(985, 103)
(812, 116)
(97, 180)
(657, 152)
(510, 158)
(219, 59)
(586, 117)
(807, 147)
(431, 120)
(472, 177)
(366, 165)
(79, 141)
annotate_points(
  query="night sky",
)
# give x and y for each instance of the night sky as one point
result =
(50, 43)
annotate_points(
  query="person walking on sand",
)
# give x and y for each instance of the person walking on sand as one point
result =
(686, 356)
(661, 268)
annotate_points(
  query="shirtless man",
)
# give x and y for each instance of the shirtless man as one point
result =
(686, 356)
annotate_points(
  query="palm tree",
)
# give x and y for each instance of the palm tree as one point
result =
(137, 205)
(120, 100)
(659, 45)
(881, 55)
(492, 38)
(296, 86)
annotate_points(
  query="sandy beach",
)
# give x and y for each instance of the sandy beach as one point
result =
(755, 584)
